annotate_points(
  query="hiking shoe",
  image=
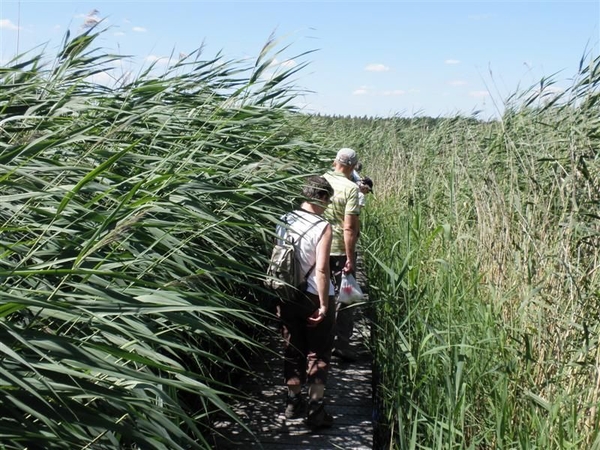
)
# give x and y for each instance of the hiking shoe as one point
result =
(295, 407)
(344, 355)
(317, 417)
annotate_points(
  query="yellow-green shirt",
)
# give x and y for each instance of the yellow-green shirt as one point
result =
(344, 202)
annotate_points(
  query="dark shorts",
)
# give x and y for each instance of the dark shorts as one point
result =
(336, 264)
(307, 350)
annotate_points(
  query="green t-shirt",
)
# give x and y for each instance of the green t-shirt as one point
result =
(344, 202)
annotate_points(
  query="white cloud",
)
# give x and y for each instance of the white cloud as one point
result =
(457, 83)
(118, 33)
(275, 67)
(545, 95)
(267, 75)
(126, 77)
(6, 24)
(111, 78)
(157, 59)
(549, 90)
(91, 19)
(56, 27)
(103, 78)
(361, 91)
(394, 92)
(479, 94)
(139, 29)
(376, 68)
(300, 104)
(452, 61)
(289, 63)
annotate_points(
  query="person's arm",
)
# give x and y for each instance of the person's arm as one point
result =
(322, 275)
(351, 227)
(362, 201)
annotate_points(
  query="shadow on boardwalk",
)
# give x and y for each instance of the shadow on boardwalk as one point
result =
(348, 398)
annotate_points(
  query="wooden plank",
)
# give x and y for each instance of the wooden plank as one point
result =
(348, 398)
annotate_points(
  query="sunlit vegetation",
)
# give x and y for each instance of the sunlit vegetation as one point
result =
(482, 243)
(135, 222)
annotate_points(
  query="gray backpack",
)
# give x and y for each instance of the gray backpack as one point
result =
(284, 274)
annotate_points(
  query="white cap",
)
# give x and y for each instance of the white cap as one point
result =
(347, 157)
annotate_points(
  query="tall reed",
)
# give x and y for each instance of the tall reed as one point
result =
(130, 220)
(482, 251)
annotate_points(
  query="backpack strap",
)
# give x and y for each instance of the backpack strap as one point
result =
(320, 220)
(291, 241)
(309, 271)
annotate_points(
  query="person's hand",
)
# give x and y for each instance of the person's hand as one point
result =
(349, 266)
(317, 317)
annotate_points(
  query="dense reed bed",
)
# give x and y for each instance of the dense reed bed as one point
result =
(482, 248)
(134, 220)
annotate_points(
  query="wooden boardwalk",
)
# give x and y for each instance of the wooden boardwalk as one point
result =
(348, 398)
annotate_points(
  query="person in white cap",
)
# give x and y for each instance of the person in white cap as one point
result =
(343, 214)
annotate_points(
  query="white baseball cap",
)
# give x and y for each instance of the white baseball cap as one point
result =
(347, 157)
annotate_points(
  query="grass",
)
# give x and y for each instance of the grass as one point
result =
(130, 221)
(481, 246)
(135, 222)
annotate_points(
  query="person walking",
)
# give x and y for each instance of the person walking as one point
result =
(365, 186)
(356, 177)
(343, 213)
(308, 320)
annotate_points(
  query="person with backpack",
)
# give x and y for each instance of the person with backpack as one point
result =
(308, 316)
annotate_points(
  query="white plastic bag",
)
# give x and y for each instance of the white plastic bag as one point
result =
(350, 291)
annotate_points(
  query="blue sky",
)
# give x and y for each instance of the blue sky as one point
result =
(371, 58)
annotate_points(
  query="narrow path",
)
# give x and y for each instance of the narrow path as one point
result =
(348, 399)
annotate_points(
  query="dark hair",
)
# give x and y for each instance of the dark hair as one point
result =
(367, 181)
(316, 188)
